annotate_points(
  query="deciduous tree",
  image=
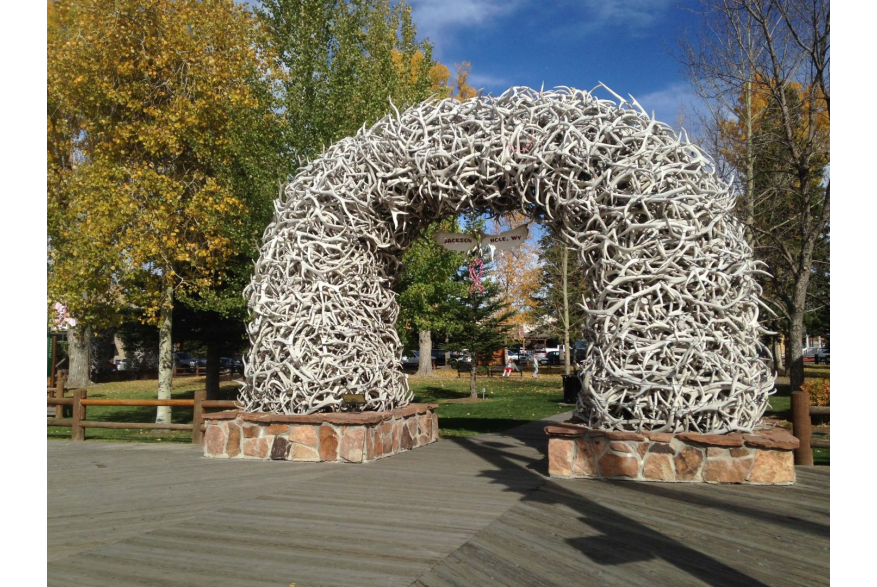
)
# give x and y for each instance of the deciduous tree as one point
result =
(763, 68)
(517, 272)
(560, 298)
(441, 84)
(150, 182)
(346, 61)
(462, 90)
(425, 289)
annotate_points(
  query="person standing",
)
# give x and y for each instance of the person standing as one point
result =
(535, 367)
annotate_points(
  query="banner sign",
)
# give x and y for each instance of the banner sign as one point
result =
(508, 240)
(463, 243)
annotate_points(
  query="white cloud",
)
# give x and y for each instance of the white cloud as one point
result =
(670, 104)
(440, 19)
(630, 13)
(481, 80)
(623, 18)
(437, 17)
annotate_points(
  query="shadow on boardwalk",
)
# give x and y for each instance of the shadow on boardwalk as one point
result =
(613, 538)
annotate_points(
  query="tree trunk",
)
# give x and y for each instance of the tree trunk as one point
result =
(795, 364)
(795, 344)
(565, 271)
(165, 354)
(79, 350)
(212, 384)
(473, 391)
(750, 168)
(424, 364)
(779, 367)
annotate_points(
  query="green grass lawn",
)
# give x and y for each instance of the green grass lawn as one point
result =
(822, 456)
(508, 403)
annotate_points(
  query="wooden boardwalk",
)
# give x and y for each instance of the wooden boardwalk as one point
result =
(475, 511)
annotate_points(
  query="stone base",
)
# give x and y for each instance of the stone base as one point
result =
(339, 437)
(761, 458)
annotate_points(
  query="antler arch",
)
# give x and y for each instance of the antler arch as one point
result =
(673, 315)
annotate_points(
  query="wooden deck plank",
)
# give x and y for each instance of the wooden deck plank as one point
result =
(380, 523)
(601, 533)
(121, 490)
(474, 511)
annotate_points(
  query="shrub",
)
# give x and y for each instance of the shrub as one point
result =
(820, 391)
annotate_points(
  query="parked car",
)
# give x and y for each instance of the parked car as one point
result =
(512, 355)
(439, 357)
(184, 361)
(524, 358)
(553, 357)
(227, 364)
(123, 365)
(461, 357)
(410, 360)
(822, 357)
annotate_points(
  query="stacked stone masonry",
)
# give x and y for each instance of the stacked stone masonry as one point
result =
(335, 437)
(761, 458)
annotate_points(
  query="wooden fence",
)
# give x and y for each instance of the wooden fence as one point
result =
(225, 374)
(79, 421)
(196, 372)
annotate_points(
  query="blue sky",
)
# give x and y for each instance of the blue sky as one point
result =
(627, 45)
